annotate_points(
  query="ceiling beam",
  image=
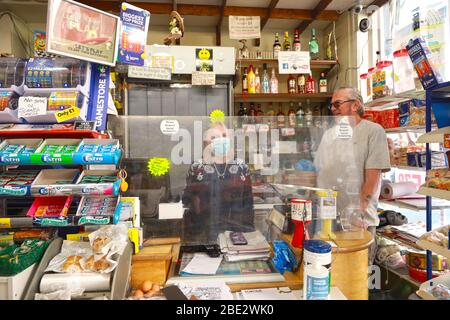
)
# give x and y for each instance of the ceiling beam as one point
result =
(317, 11)
(272, 5)
(219, 24)
(216, 11)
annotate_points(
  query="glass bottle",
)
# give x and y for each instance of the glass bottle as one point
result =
(281, 121)
(300, 116)
(292, 116)
(314, 45)
(297, 45)
(265, 80)
(251, 80)
(272, 122)
(317, 117)
(301, 84)
(244, 82)
(292, 84)
(276, 46)
(311, 85)
(259, 114)
(273, 82)
(244, 119)
(308, 114)
(287, 42)
(241, 114)
(252, 113)
(323, 83)
(257, 81)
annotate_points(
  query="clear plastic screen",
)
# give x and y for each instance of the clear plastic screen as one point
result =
(230, 172)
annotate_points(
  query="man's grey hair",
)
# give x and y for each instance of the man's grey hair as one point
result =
(354, 94)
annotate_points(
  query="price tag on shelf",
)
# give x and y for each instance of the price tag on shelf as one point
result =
(67, 114)
(203, 78)
(32, 106)
(5, 223)
(447, 141)
(84, 125)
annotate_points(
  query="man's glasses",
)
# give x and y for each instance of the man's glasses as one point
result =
(338, 104)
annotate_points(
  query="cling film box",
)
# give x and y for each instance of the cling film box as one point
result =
(56, 151)
(18, 151)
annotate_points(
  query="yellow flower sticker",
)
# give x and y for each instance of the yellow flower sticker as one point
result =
(158, 166)
(217, 116)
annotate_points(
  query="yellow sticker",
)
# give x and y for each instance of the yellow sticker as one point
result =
(67, 114)
(217, 116)
(5, 223)
(158, 166)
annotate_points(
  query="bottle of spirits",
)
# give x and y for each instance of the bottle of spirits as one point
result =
(273, 82)
(241, 113)
(300, 116)
(257, 81)
(308, 114)
(251, 80)
(244, 82)
(287, 42)
(292, 116)
(301, 84)
(297, 45)
(292, 84)
(259, 114)
(276, 46)
(310, 85)
(323, 83)
(272, 121)
(265, 80)
(317, 117)
(314, 45)
(252, 114)
(281, 121)
(244, 119)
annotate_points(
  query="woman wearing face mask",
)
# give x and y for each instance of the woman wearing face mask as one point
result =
(218, 191)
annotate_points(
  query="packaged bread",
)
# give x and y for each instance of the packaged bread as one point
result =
(101, 265)
(72, 264)
(99, 243)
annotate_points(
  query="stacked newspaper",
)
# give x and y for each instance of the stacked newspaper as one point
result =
(257, 247)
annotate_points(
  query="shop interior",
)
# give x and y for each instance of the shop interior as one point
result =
(152, 150)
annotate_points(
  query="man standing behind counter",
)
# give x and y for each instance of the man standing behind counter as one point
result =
(353, 166)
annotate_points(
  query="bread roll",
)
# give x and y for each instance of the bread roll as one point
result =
(72, 264)
(101, 265)
(99, 243)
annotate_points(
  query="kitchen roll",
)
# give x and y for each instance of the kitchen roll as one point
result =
(398, 190)
(89, 281)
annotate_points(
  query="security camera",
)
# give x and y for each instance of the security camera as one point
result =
(358, 9)
(365, 25)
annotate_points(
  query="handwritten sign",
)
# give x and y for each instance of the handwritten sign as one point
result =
(294, 62)
(163, 61)
(149, 73)
(169, 127)
(203, 78)
(67, 114)
(243, 27)
(32, 106)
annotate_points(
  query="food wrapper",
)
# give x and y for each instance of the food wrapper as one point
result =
(60, 294)
(109, 240)
(83, 250)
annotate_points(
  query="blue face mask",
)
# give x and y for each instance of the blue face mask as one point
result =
(221, 146)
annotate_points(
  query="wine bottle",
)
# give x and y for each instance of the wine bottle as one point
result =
(276, 46)
(244, 82)
(297, 45)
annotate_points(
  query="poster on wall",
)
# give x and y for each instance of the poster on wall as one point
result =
(39, 42)
(82, 32)
(244, 27)
(133, 34)
(204, 60)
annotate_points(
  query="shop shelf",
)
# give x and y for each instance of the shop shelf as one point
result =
(410, 168)
(47, 131)
(282, 97)
(315, 64)
(399, 242)
(393, 100)
(436, 193)
(415, 204)
(426, 245)
(405, 129)
(403, 273)
(436, 136)
(423, 293)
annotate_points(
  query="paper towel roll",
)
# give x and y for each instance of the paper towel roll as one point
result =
(90, 282)
(398, 190)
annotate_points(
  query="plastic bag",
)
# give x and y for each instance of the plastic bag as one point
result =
(60, 294)
(109, 240)
(16, 259)
(284, 259)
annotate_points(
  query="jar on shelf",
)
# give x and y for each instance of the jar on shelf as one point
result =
(405, 77)
(383, 80)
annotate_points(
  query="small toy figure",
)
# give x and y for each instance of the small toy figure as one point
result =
(176, 28)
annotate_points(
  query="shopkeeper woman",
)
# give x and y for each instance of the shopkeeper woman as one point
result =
(218, 191)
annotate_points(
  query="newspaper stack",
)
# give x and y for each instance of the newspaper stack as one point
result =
(257, 247)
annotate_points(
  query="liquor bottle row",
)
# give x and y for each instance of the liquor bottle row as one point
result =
(314, 48)
(253, 83)
(307, 116)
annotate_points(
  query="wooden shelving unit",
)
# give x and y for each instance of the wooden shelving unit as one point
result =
(281, 97)
(315, 64)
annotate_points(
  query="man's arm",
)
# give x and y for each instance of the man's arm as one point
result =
(369, 190)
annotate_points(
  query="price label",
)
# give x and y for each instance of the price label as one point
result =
(5, 223)
(67, 114)
(447, 141)
(32, 106)
(84, 125)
